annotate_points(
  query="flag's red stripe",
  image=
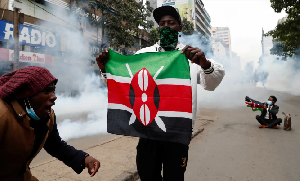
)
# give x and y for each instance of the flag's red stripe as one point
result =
(175, 98)
(118, 93)
(254, 105)
(172, 97)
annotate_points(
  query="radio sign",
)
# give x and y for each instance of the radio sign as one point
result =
(28, 35)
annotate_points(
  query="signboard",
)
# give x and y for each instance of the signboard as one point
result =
(168, 2)
(29, 57)
(28, 35)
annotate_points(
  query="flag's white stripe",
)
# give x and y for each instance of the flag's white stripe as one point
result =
(171, 81)
(119, 106)
(132, 119)
(160, 113)
(119, 78)
(174, 114)
(157, 73)
(160, 123)
(128, 68)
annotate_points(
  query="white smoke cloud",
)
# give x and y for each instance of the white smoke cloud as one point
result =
(282, 75)
(83, 114)
(234, 86)
(86, 113)
(238, 83)
(94, 124)
(273, 74)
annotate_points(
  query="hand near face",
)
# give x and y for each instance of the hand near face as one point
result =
(196, 56)
(101, 59)
(92, 165)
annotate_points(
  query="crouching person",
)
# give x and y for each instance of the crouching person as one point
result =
(28, 124)
(268, 118)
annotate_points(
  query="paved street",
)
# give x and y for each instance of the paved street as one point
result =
(230, 148)
(234, 148)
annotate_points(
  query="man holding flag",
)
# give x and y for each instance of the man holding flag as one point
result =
(153, 149)
(268, 118)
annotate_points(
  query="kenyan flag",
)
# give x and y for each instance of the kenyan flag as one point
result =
(255, 105)
(150, 96)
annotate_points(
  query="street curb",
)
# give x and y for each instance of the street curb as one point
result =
(103, 143)
(195, 133)
(132, 174)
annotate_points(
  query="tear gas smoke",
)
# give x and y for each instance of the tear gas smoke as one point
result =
(282, 75)
(237, 83)
(81, 103)
(232, 90)
(85, 114)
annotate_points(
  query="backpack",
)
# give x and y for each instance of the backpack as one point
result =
(287, 122)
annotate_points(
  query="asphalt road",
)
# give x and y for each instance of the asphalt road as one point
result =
(234, 148)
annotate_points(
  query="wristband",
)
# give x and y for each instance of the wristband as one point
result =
(86, 155)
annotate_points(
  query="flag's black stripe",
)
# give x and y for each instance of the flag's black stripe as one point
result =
(178, 129)
(248, 99)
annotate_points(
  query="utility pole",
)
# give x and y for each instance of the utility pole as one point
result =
(16, 39)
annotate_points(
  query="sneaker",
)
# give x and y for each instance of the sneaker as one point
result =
(275, 127)
(262, 126)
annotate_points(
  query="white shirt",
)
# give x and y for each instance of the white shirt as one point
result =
(267, 115)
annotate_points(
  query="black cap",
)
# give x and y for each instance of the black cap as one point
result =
(158, 13)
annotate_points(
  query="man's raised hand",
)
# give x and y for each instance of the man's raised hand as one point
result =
(196, 56)
(101, 60)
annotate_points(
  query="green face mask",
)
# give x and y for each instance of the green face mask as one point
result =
(168, 38)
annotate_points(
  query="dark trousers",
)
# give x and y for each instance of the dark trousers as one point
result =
(152, 154)
(274, 122)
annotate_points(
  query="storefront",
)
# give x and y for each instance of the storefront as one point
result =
(31, 39)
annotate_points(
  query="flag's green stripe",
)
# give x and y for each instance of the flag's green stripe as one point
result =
(256, 109)
(175, 64)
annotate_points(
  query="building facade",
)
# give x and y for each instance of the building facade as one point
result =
(223, 33)
(266, 43)
(202, 20)
(218, 47)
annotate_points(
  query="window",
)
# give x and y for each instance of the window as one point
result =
(3, 44)
(41, 50)
(25, 48)
(40, 2)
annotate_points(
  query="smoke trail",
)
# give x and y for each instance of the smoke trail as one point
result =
(95, 123)
(282, 75)
(272, 74)
(81, 104)
(85, 114)
(234, 86)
